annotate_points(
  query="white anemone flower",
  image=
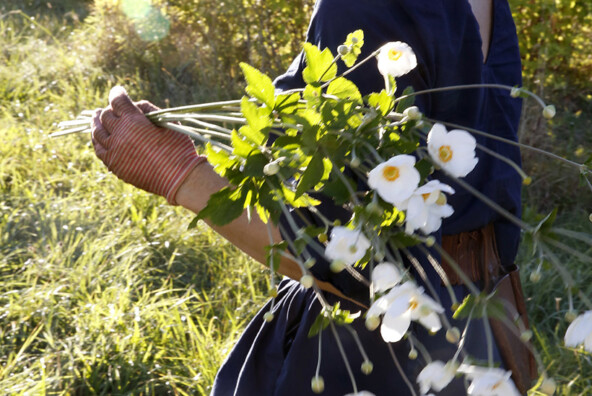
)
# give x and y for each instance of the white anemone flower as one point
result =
(404, 303)
(396, 59)
(396, 179)
(384, 276)
(489, 381)
(427, 207)
(346, 245)
(580, 332)
(436, 375)
(453, 151)
(361, 393)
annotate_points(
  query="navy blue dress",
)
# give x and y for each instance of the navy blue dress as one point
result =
(278, 358)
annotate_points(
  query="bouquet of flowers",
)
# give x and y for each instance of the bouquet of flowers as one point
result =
(375, 156)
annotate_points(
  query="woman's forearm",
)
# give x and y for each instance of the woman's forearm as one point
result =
(249, 235)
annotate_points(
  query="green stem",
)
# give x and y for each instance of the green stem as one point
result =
(343, 356)
(195, 107)
(471, 86)
(351, 69)
(400, 369)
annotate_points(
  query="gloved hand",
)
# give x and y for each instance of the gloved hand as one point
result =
(157, 160)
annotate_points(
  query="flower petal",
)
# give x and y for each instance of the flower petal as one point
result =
(393, 328)
(385, 276)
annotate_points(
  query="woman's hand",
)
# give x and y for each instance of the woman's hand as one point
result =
(154, 159)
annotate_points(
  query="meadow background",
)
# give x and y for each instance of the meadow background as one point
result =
(103, 290)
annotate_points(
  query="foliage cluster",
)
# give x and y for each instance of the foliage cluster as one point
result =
(189, 51)
(555, 40)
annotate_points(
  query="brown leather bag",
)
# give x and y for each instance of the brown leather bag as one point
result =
(475, 252)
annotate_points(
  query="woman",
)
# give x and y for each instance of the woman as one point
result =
(454, 46)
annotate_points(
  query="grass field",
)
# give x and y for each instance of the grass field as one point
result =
(104, 291)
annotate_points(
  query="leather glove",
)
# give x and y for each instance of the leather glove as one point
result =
(157, 160)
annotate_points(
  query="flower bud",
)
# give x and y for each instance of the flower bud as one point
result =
(317, 384)
(412, 354)
(337, 223)
(343, 50)
(549, 112)
(515, 92)
(322, 237)
(527, 180)
(337, 266)
(379, 256)
(367, 367)
(271, 168)
(354, 40)
(548, 386)
(571, 315)
(430, 241)
(268, 316)
(453, 335)
(535, 276)
(526, 335)
(306, 281)
(309, 263)
(273, 293)
(412, 113)
(355, 162)
(372, 322)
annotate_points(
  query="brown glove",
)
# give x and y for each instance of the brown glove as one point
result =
(155, 159)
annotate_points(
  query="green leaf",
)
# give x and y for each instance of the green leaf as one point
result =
(270, 202)
(240, 147)
(297, 202)
(258, 120)
(319, 65)
(382, 102)
(344, 89)
(224, 206)
(273, 252)
(312, 95)
(424, 167)
(355, 49)
(220, 159)
(312, 175)
(193, 223)
(287, 103)
(259, 85)
(407, 102)
(495, 308)
(465, 308)
(254, 164)
(321, 322)
(337, 190)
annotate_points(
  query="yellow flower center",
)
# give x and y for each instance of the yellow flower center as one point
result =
(496, 385)
(390, 173)
(445, 153)
(394, 55)
(413, 304)
(426, 196)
